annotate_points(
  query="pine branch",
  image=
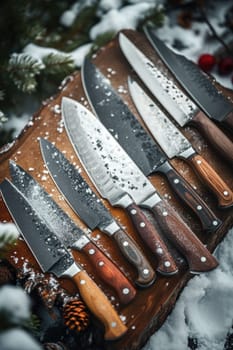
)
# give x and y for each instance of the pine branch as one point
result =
(56, 63)
(6, 242)
(33, 325)
(23, 69)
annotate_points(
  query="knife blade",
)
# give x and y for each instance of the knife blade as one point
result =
(174, 143)
(120, 121)
(117, 196)
(53, 257)
(178, 105)
(195, 82)
(70, 234)
(91, 210)
(98, 149)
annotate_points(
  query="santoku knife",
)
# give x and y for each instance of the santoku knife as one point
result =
(174, 143)
(137, 142)
(91, 210)
(53, 257)
(102, 155)
(70, 234)
(195, 82)
(180, 107)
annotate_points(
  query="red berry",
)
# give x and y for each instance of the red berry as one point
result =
(225, 65)
(206, 62)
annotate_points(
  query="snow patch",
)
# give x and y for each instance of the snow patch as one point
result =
(17, 339)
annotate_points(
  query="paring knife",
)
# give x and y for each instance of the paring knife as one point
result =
(195, 82)
(116, 195)
(70, 234)
(93, 143)
(174, 143)
(137, 142)
(91, 210)
(180, 107)
(53, 257)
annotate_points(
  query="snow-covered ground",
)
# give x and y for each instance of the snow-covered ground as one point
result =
(204, 309)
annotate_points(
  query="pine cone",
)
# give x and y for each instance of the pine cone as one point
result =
(76, 315)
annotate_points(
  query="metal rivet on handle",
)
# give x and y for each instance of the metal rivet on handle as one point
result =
(145, 272)
(199, 207)
(101, 263)
(125, 244)
(215, 223)
(142, 224)
(91, 251)
(167, 264)
(159, 250)
(203, 259)
(125, 291)
(133, 211)
(82, 282)
(176, 181)
(225, 193)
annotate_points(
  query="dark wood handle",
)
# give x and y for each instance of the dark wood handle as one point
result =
(110, 273)
(196, 254)
(100, 306)
(146, 274)
(214, 135)
(187, 194)
(166, 264)
(212, 180)
(228, 121)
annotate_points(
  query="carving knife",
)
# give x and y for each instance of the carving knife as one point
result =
(174, 143)
(179, 106)
(122, 124)
(71, 235)
(91, 210)
(195, 82)
(53, 257)
(101, 155)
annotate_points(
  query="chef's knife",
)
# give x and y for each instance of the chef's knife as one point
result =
(70, 234)
(101, 155)
(53, 257)
(174, 143)
(91, 210)
(121, 122)
(117, 196)
(180, 107)
(195, 82)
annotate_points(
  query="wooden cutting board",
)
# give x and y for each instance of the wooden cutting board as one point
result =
(147, 312)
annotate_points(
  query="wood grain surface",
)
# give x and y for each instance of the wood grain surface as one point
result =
(147, 312)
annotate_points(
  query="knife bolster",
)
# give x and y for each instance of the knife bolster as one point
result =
(81, 242)
(112, 228)
(72, 270)
(151, 201)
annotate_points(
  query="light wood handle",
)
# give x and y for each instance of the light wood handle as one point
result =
(110, 273)
(214, 135)
(212, 180)
(100, 306)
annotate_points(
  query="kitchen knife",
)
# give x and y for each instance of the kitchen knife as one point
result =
(180, 107)
(53, 257)
(174, 143)
(71, 235)
(118, 197)
(101, 155)
(195, 82)
(91, 210)
(121, 122)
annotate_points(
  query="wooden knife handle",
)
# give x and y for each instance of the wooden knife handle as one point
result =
(166, 264)
(214, 135)
(146, 274)
(197, 255)
(187, 194)
(212, 180)
(100, 306)
(110, 273)
(229, 121)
